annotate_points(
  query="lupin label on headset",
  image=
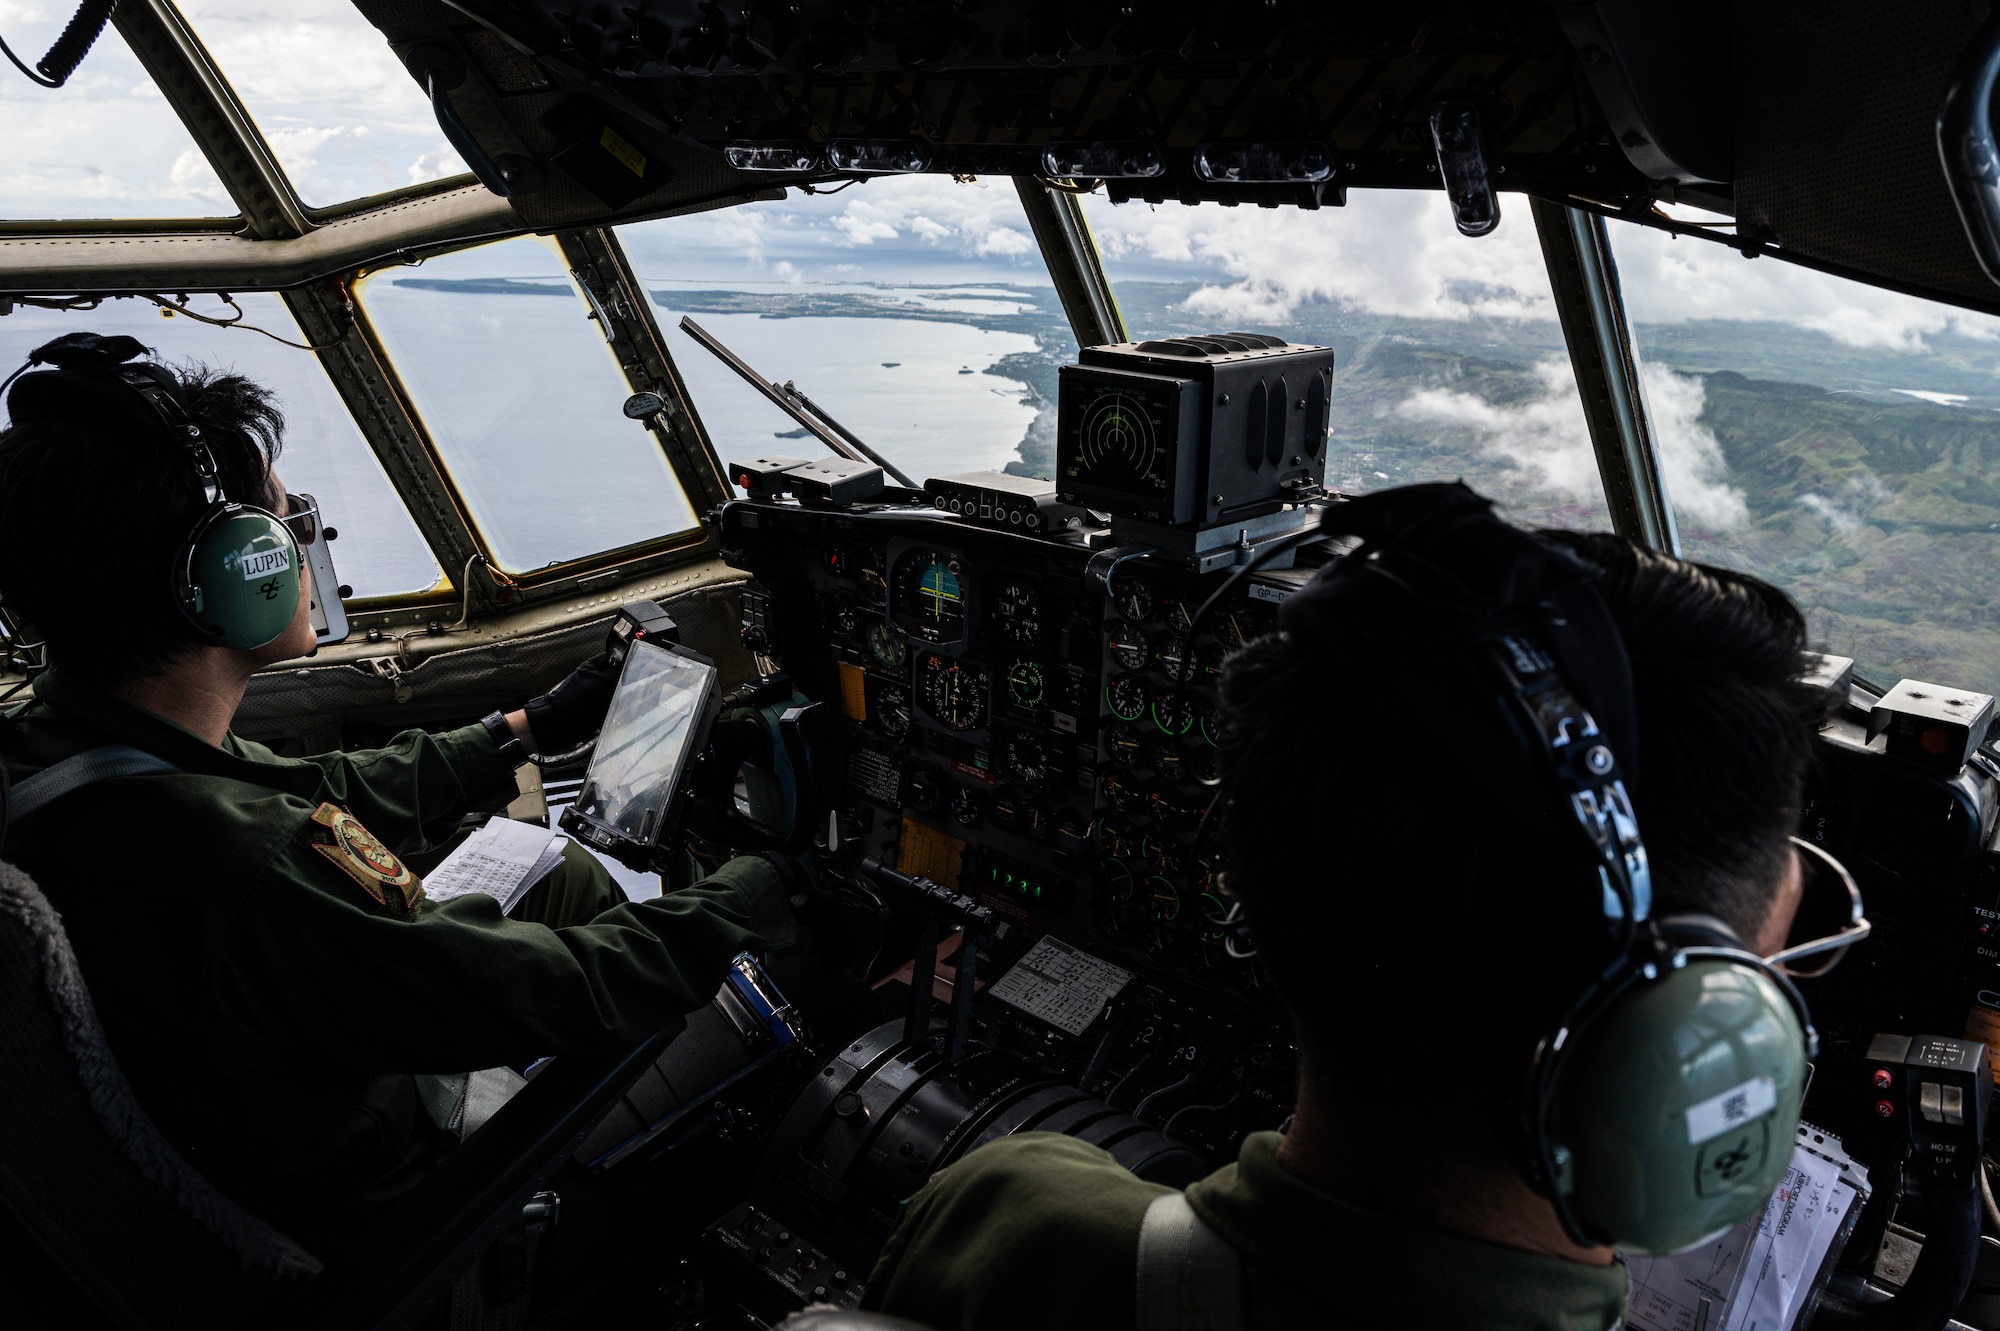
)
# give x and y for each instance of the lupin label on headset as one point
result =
(263, 563)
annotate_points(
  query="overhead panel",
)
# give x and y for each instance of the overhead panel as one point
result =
(644, 108)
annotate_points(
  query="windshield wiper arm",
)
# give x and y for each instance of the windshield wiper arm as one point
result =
(788, 399)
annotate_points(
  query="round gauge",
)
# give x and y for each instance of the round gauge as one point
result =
(887, 647)
(1171, 809)
(1213, 908)
(892, 710)
(1166, 856)
(1024, 758)
(1035, 822)
(874, 578)
(1133, 598)
(1126, 745)
(1167, 760)
(930, 599)
(1165, 898)
(1124, 794)
(1017, 611)
(1128, 697)
(954, 693)
(1203, 767)
(1115, 836)
(1174, 716)
(1006, 811)
(1117, 878)
(1129, 647)
(1211, 728)
(837, 609)
(837, 563)
(1240, 624)
(1026, 684)
(966, 806)
(1178, 615)
(1175, 661)
(1071, 828)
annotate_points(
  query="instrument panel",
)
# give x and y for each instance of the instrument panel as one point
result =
(1026, 719)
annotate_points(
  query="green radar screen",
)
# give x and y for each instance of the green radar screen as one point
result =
(1122, 442)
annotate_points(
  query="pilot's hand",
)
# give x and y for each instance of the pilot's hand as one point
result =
(573, 710)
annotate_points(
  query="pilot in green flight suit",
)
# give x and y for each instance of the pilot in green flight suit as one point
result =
(1400, 896)
(266, 967)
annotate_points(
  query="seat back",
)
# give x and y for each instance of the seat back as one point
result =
(85, 1172)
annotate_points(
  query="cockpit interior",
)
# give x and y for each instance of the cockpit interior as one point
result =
(919, 402)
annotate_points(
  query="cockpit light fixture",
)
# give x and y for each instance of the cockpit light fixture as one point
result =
(1300, 163)
(1103, 159)
(883, 156)
(772, 155)
(1461, 163)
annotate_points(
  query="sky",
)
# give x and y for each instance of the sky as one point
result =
(347, 121)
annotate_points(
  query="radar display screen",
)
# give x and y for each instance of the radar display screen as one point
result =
(1119, 444)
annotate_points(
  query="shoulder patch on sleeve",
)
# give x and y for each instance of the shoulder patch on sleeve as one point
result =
(363, 857)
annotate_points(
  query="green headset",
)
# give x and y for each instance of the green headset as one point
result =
(1660, 1108)
(236, 576)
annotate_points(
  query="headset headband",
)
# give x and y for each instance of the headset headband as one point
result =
(1539, 633)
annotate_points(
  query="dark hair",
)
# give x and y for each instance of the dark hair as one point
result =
(1383, 892)
(93, 504)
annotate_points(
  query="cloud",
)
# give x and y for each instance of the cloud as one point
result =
(1691, 459)
(861, 229)
(436, 164)
(1677, 280)
(1385, 252)
(1005, 240)
(1546, 438)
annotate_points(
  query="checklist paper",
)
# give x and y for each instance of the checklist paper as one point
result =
(502, 860)
(1756, 1276)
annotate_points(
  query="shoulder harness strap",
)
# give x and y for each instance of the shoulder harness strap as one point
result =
(1189, 1278)
(73, 773)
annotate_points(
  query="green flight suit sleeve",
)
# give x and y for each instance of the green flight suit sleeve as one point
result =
(1035, 1230)
(314, 972)
(413, 790)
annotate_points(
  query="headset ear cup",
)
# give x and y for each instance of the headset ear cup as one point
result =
(1674, 1110)
(238, 578)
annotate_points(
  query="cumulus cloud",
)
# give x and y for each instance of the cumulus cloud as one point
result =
(1847, 512)
(436, 164)
(1387, 252)
(1546, 438)
(1691, 459)
(1004, 240)
(1669, 280)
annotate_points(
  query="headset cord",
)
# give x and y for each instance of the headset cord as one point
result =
(53, 70)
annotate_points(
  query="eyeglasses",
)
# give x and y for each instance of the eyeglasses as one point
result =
(1829, 919)
(302, 518)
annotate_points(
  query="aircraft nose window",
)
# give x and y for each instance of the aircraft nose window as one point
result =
(1837, 439)
(379, 551)
(107, 147)
(337, 108)
(522, 400)
(916, 310)
(1449, 362)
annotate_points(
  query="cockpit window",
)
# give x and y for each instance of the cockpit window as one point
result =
(1449, 360)
(104, 145)
(1840, 440)
(332, 100)
(916, 310)
(522, 398)
(378, 551)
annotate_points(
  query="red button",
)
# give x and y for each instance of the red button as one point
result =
(1883, 1109)
(1884, 1079)
(1935, 740)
